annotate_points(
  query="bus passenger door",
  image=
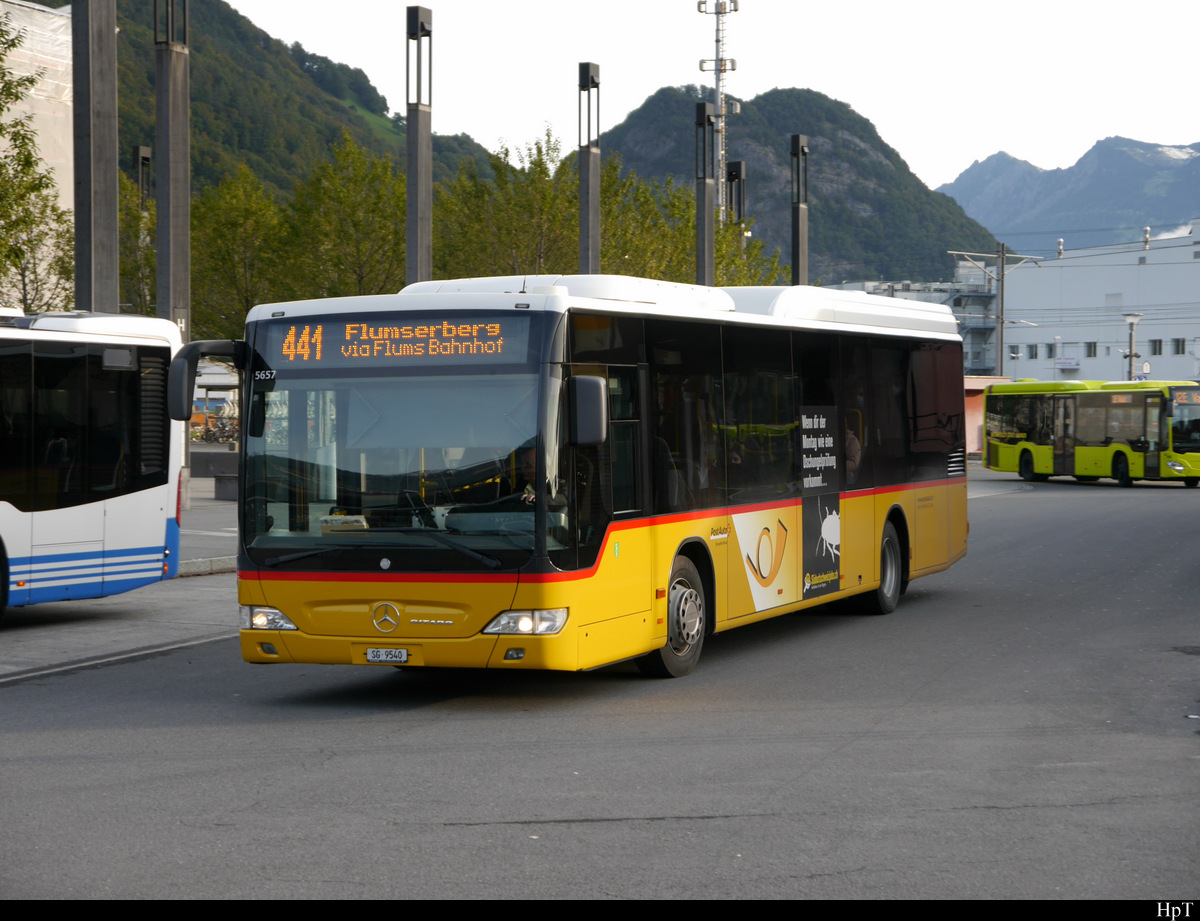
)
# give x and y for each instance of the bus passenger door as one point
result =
(1064, 435)
(1153, 433)
(67, 533)
(608, 489)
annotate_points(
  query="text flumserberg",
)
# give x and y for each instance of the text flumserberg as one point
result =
(444, 338)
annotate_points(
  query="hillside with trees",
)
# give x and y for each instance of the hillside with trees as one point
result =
(342, 232)
(297, 189)
(869, 216)
(278, 110)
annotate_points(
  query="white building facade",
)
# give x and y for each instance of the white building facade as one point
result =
(46, 49)
(1069, 318)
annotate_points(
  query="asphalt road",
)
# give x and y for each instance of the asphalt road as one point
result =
(1025, 725)
(208, 533)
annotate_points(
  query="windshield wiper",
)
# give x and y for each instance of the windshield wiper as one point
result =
(433, 534)
(292, 557)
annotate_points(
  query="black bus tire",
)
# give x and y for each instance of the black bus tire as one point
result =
(1121, 471)
(891, 574)
(687, 620)
(1025, 467)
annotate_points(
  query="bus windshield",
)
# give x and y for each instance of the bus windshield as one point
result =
(413, 465)
(1185, 419)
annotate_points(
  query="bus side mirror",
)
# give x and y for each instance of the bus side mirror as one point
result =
(181, 380)
(587, 397)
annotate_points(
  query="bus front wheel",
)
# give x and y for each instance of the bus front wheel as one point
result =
(1121, 470)
(686, 622)
(1025, 468)
(1191, 482)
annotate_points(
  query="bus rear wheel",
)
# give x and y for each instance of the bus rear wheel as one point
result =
(891, 574)
(1121, 471)
(687, 619)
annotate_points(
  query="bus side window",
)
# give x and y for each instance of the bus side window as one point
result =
(60, 398)
(16, 422)
(759, 414)
(891, 408)
(688, 419)
(856, 405)
(624, 422)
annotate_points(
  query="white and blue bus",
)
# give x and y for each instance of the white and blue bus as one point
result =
(90, 466)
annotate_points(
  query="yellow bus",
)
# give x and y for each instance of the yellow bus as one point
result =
(564, 472)
(1126, 430)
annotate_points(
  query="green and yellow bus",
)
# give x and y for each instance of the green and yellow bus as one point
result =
(1139, 430)
(564, 472)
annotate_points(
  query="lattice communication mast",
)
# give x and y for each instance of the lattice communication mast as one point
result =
(719, 65)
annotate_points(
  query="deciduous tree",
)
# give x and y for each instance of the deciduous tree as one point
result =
(521, 221)
(525, 221)
(35, 234)
(137, 254)
(39, 273)
(237, 236)
(345, 228)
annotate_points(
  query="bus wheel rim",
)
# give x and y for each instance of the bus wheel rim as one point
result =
(687, 616)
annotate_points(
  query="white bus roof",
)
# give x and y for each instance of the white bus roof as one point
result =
(623, 290)
(807, 305)
(803, 306)
(85, 323)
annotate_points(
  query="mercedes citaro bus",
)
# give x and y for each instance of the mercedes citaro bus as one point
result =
(1126, 430)
(564, 472)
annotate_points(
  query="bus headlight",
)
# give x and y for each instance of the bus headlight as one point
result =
(528, 623)
(259, 617)
(1175, 465)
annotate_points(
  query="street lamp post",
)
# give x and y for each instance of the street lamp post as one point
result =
(1132, 320)
(418, 219)
(799, 209)
(705, 185)
(589, 168)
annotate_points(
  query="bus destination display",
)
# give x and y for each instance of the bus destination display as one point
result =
(378, 340)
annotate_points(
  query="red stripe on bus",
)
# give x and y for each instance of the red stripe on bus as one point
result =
(574, 575)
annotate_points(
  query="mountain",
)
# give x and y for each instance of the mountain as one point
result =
(1112, 192)
(256, 100)
(869, 216)
(279, 109)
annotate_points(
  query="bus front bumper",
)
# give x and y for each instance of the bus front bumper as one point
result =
(559, 652)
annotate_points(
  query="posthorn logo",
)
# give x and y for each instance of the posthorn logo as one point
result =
(769, 553)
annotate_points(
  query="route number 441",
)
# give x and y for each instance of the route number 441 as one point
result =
(305, 345)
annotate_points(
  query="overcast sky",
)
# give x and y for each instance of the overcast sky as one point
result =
(945, 82)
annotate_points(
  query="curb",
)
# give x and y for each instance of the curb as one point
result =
(207, 567)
